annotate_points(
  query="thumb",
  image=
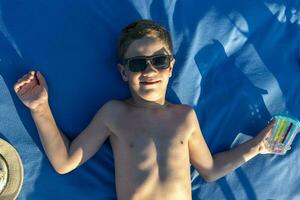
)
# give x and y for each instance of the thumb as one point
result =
(267, 131)
(41, 79)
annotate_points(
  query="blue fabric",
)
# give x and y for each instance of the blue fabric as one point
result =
(237, 64)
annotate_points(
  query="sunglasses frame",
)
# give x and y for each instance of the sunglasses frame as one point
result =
(147, 58)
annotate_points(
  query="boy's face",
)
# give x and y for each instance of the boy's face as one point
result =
(150, 84)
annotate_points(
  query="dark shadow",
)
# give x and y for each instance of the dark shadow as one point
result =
(221, 81)
(226, 189)
(280, 51)
(218, 105)
(246, 184)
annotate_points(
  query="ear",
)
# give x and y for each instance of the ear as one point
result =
(123, 72)
(171, 67)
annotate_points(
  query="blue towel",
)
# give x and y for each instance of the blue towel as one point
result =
(237, 64)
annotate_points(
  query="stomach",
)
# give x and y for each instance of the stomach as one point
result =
(153, 189)
(157, 181)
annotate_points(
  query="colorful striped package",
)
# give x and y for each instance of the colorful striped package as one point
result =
(283, 133)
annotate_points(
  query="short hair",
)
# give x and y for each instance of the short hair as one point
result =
(138, 29)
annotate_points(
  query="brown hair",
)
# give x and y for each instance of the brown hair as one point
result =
(139, 29)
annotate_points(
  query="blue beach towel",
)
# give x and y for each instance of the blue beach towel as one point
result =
(237, 64)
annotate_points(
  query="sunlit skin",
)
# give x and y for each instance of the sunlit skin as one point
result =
(153, 141)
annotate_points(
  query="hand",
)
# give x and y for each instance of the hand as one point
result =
(32, 90)
(262, 141)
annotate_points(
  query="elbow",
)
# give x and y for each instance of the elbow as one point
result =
(209, 179)
(206, 174)
(64, 166)
(212, 178)
(63, 169)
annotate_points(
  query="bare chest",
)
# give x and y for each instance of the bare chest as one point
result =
(161, 132)
(142, 144)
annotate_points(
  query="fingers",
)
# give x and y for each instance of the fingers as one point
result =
(268, 128)
(279, 151)
(267, 131)
(26, 79)
(271, 124)
(41, 79)
(27, 87)
(272, 121)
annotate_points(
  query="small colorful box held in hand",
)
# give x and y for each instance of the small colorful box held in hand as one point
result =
(284, 131)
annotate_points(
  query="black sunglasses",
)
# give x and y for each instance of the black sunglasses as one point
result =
(140, 63)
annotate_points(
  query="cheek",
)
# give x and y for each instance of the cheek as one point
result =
(134, 79)
(166, 75)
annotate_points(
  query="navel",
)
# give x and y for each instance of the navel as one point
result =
(181, 142)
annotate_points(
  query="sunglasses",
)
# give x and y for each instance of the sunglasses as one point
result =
(140, 63)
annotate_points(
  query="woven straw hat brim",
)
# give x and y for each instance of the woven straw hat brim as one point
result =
(15, 171)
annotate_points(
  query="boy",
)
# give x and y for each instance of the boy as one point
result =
(153, 140)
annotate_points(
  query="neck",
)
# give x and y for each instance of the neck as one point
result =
(140, 103)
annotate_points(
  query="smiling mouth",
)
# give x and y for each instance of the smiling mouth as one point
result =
(149, 82)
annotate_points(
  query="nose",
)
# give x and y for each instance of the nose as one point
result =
(150, 69)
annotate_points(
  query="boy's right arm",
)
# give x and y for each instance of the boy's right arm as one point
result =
(63, 154)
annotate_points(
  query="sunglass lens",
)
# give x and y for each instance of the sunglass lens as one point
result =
(161, 62)
(137, 65)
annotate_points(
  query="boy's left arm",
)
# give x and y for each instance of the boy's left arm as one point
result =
(214, 167)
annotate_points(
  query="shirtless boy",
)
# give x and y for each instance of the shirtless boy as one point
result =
(153, 140)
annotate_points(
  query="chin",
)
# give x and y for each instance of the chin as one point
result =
(148, 94)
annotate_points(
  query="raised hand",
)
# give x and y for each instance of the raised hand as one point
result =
(32, 90)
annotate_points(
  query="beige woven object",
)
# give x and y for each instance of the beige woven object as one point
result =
(11, 172)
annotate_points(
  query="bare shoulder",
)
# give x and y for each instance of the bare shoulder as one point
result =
(112, 105)
(183, 109)
(111, 110)
(187, 114)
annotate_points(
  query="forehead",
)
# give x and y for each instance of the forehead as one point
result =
(146, 46)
